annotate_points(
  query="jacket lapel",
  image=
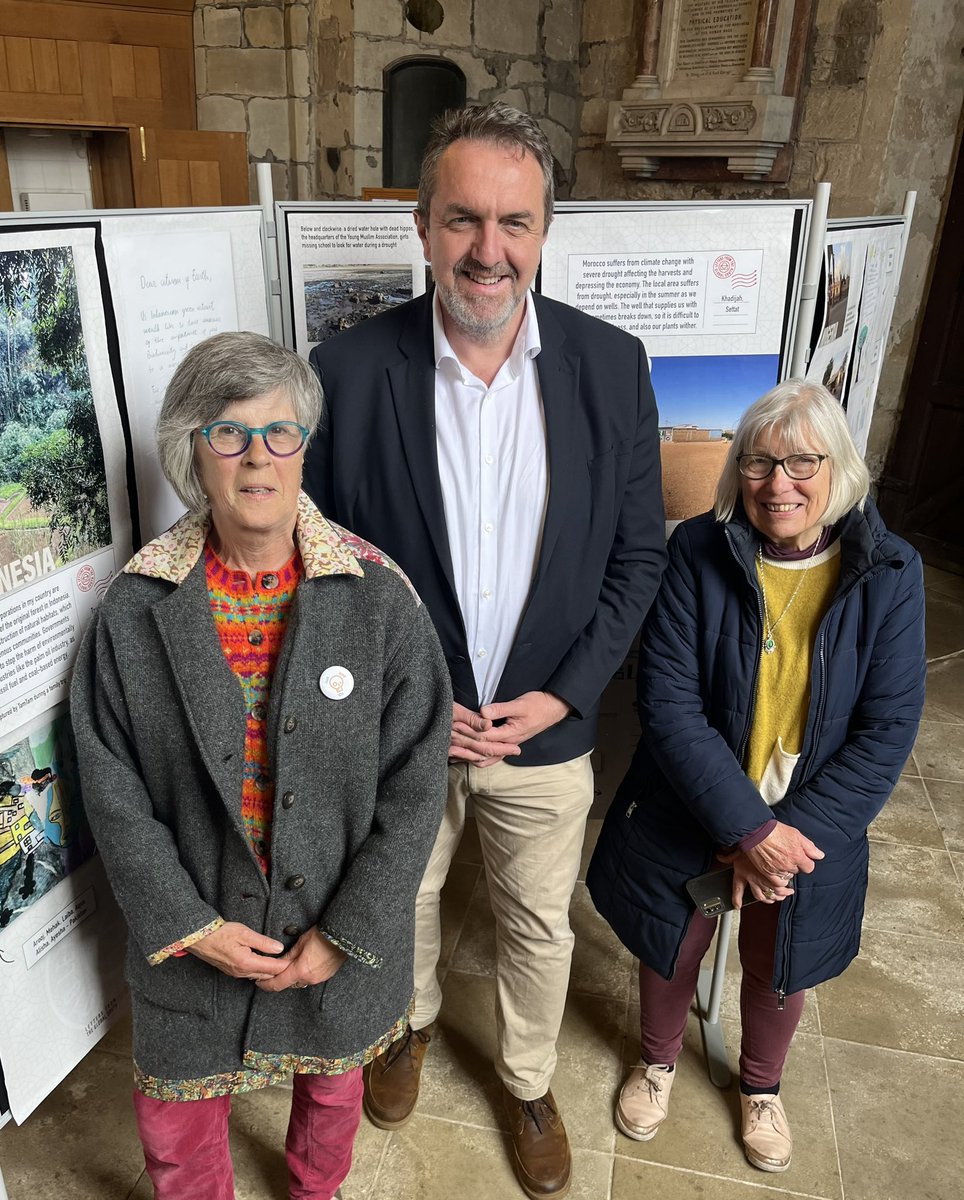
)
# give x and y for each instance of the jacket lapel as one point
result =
(412, 383)
(210, 692)
(559, 384)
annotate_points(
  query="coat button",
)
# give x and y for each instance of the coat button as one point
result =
(291, 930)
(293, 882)
(255, 637)
(287, 799)
(291, 724)
(258, 711)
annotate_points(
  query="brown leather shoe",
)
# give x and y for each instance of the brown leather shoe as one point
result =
(392, 1079)
(540, 1147)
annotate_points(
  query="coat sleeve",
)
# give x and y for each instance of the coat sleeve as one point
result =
(377, 893)
(160, 901)
(694, 756)
(636, 561)
(838, 801)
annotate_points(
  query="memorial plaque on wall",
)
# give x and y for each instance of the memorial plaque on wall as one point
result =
(714, 39)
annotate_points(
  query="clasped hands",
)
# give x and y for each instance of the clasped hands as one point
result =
(242, 953)
(477, 739)
(768, 869)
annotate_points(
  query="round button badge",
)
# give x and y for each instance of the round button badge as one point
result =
(336, 683)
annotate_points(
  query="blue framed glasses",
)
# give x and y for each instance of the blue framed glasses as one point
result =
(231, 438)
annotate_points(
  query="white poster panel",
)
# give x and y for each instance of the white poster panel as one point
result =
(64, 509)
(345, 266)
(176, 280)
(861, 275)
(62, 979)
(709, 290)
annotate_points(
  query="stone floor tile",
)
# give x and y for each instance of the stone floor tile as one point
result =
(593, 827)
(898, 1119)
(945, 691)
(702, 1132)
(455, 899)
(938, 752)
(476, 949)
(902, 991)
(633, 1180)
(458, 1079)
(907, 817)
(913, 889)
(66, 1148)
(589, 1071)
(945, 582)
(469, 850)
(432, 1159)
(948, 803)
(944, 632)
(369, 1150)
(601, 965)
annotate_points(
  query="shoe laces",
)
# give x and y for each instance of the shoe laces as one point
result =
(537, 1111)
(761, 1109)
(652, 1080)
(404, 1045)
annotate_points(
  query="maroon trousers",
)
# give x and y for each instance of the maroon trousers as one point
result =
(767, 1029)
(186, 1142)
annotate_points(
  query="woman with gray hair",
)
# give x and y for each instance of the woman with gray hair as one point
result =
(262, 713)
(781, 681)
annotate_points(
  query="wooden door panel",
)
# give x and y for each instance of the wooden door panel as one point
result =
(188, 168)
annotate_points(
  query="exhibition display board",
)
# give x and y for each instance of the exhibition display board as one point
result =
(98, 309)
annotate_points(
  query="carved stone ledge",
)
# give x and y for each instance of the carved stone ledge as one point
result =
(747, 133)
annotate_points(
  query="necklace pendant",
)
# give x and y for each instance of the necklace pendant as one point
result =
(769, 645)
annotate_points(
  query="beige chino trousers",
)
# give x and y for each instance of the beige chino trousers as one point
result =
(531, 823)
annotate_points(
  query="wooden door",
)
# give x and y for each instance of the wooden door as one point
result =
(185, 168)
(922, 491)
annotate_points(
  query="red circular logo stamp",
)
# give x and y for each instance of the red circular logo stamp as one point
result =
(86, 578)
(723, 266)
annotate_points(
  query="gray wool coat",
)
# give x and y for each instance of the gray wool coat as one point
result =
(159, 720)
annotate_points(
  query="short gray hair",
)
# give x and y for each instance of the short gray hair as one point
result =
(507, 127)
(804, 416)
(212, 375)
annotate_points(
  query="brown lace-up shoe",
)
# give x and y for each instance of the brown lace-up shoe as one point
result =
(540, 1147)
(392, 1079)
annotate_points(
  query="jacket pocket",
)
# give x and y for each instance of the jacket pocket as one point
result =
(185, 984)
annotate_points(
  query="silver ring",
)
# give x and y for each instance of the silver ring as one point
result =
(301, 985)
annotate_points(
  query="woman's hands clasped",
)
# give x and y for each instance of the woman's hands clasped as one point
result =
(768, 869)
(242, 953)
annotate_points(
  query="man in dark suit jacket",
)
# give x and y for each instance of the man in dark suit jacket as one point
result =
(503, 448)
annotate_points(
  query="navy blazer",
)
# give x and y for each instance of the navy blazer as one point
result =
(374, 468)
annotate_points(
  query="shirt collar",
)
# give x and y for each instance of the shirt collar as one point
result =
(526, 345)
(173, 555)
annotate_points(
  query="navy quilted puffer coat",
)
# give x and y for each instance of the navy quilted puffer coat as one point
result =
(685, 794)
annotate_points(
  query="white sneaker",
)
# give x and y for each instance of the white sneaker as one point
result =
(644, 1101)
(766, 1132)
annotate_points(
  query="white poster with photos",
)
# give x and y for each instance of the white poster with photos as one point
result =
(345, 265)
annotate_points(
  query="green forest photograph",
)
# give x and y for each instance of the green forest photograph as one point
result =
(53, 487)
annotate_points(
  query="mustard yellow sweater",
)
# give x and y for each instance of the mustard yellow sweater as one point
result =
(783, 684)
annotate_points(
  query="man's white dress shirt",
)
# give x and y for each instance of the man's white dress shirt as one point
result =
(494, 476)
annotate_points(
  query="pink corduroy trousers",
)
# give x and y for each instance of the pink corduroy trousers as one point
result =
(186, 1142)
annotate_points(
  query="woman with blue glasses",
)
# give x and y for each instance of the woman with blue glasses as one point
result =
(262, 715)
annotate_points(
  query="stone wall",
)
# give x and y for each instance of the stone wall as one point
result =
(252, 68)
(521, 51)
(880, 115)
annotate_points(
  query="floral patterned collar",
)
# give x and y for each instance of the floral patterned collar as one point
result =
(324, 547)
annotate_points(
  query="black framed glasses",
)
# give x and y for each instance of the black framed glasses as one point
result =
(231, 438)
(797, 466)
